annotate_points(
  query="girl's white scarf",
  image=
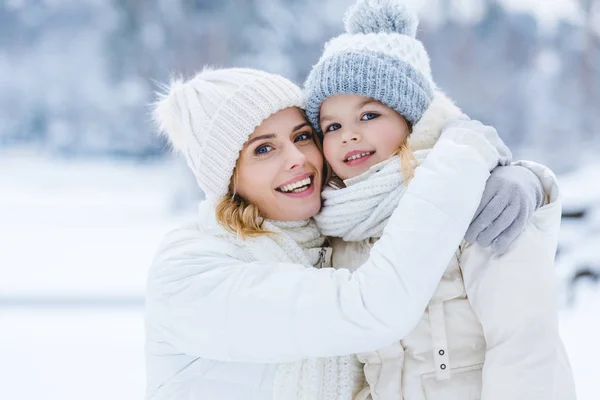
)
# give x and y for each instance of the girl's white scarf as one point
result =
(361, 210)
(300, 242)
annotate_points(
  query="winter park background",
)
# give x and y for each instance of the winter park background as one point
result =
(87, 190)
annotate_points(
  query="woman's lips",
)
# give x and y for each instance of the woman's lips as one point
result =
(291, 189)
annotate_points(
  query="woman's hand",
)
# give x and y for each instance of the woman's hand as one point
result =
(512, 194)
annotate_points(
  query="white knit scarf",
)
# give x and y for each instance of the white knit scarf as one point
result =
(315, 378)
(294, 241)
(361, 210)
(331, 378)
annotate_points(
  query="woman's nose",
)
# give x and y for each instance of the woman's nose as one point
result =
(295, 157)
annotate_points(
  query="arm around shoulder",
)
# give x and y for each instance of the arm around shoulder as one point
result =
(209, 299)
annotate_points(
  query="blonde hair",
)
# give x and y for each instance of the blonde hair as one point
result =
(242, 217)
(238, 215)
(408, 162)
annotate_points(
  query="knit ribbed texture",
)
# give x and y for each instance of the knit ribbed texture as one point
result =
(300, 240)
(333, 378)
(209, 118)
(362, 209)
(378, 57)
(389, 80)
(401, 47)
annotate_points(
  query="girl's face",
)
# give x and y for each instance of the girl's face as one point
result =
(280, 168)
(359, 132)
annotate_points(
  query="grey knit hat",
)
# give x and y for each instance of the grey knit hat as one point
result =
(378, 57)
(209, 118)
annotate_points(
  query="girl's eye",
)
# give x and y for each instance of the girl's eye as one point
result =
(303, 136)
(333, 127)
(264, 149)
(368, 116)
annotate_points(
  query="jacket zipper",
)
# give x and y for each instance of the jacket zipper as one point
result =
(321, 259)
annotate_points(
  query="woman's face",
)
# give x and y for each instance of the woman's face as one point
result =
(280, 168)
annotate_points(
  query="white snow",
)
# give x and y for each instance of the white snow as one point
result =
(80, 229)
(71, 354)
(77, 230)
(580, 188)
(580, 330)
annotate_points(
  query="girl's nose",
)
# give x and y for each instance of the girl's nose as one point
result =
(350, 136)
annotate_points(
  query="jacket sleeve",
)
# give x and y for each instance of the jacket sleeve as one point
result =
(514, 298)
(207, 302)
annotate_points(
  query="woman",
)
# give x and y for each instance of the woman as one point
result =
(233, 305)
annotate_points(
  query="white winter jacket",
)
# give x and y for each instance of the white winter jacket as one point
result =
(490, 330)
(220, 318)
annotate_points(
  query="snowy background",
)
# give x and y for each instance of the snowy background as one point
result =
(87, 190)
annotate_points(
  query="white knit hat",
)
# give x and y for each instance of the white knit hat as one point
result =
(209, 118)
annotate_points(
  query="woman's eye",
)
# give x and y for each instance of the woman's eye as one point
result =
(264, 149)
(303, 136)
(333, 127)
(369, 116)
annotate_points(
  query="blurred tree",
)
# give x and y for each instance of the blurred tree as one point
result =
(77, 76)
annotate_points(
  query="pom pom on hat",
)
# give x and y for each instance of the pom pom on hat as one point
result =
(167, 113)
(381, 16)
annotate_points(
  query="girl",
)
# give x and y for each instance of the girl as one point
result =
(490, 330)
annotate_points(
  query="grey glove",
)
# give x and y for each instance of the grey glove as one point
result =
(511, 195)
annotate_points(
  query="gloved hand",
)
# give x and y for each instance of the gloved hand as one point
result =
(511, 195)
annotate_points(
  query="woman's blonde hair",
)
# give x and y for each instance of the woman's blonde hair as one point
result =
(238, 215)
(242, 217)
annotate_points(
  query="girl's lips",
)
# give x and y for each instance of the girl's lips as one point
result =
(359, 161)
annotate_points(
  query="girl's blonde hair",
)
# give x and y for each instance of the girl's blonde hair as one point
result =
(408, 162)
(242, 217)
